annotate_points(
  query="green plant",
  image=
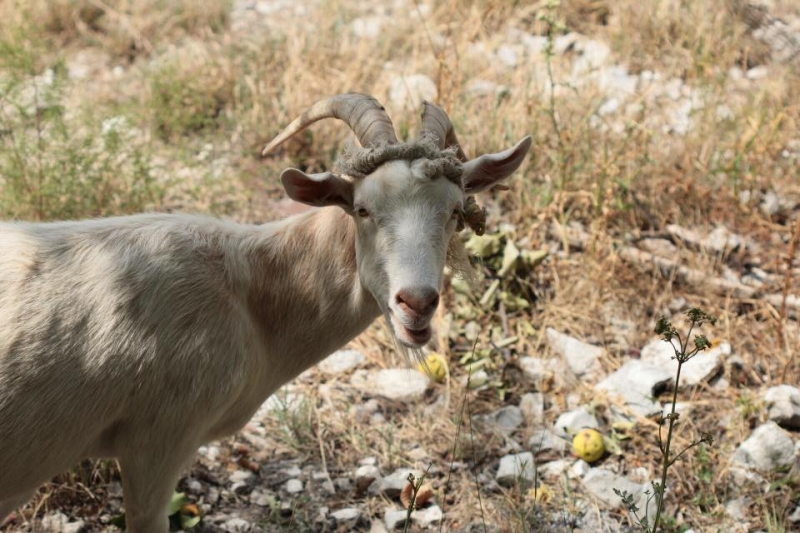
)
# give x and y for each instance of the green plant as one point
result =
(683, 353)
(59, 163)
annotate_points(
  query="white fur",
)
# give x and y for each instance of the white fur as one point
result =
(143, 337)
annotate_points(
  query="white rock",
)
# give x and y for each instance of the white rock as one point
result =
(698, 369)
(583, 358)
(341, 361)
(757, 73)
(737, 509)
(579, 469)
(262, 499)
(608, 107)
(768, 447)
(347, 517)
(236, 525)
(367, 27)
(536, 370)
(504, 420)
(573, 421)
(532, 406)
(783, 402)
(59, 523)
(545, 439)
(553, 469)
(601, 483)
(393, 484)
(594, 54)
(366, 475)
(635, 382)
(394, 519)
(479, 87)
(515, 468)
(508, 55)
(400, 384)
(428, 516)
(410, 91)
(293, 486)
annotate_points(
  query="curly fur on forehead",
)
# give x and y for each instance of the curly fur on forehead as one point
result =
(358, 162)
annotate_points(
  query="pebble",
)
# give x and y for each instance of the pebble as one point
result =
(767, 448)
(583, 358)
(504, 420)
(341, 361)
(544, 440)
(293, 486)
(532, 407)
(428, 516)
(601, 483)
(699, 369)
(394, 519)
(392, 484)
(59, 523)
(399, 384)
(515, 468)
(783, 402)
(410, 91)
(636, 382)
(346, 518)
(573, 421)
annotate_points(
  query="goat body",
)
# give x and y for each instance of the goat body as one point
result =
(143, 337)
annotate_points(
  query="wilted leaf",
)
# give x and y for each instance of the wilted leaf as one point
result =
(510, 258)
(484, 246)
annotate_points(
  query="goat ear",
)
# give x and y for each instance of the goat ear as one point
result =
(486, 171)
(318, 190)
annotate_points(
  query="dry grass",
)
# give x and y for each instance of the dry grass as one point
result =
(207, 91)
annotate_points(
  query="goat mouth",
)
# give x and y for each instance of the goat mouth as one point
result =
(415, 338)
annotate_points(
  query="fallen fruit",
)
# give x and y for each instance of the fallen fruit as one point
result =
(435, 366)
(588, 445)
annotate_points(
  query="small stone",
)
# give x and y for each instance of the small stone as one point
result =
(59, 523)
(699, 369)
(341, 361)
(367, 27)
(236, 525)
(262, 499)
(417, 454)
(573, 421)
(393, 484)
(508, 55)
(579, 469)
(769, 447)
(194, 486)
(399, 384)
(532, 406)
(637, 382)
(545, 439)
(601, 483)
(504, 420)
(737, 509)
(583, 358)
(537, 371)
(783, 402)
(346, 518)
(428, 516)
(553, 469)
(293, 486)
(757, 73)
(365, 476)
(515, 468)
(394, 519)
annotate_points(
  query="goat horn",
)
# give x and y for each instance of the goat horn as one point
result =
(363, 113)
(437, 124)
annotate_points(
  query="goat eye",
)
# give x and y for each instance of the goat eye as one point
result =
(363, 213)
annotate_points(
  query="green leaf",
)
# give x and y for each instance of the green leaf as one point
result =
(178, 499)
(188, 522)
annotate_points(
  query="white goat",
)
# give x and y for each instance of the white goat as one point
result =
(144, 337)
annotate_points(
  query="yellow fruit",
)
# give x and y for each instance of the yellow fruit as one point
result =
(588, 445)
(541, 494)
(435, 366)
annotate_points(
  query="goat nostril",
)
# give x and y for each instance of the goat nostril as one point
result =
(418, 301)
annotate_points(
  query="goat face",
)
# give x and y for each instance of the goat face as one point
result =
(405, 198)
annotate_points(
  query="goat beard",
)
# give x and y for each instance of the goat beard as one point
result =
(458, 262)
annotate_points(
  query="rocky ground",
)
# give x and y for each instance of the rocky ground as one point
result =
(557, 335)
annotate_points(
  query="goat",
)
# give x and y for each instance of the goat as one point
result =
(144, 337)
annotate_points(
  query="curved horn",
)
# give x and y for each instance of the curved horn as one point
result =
(436, 123)
(363, 113)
